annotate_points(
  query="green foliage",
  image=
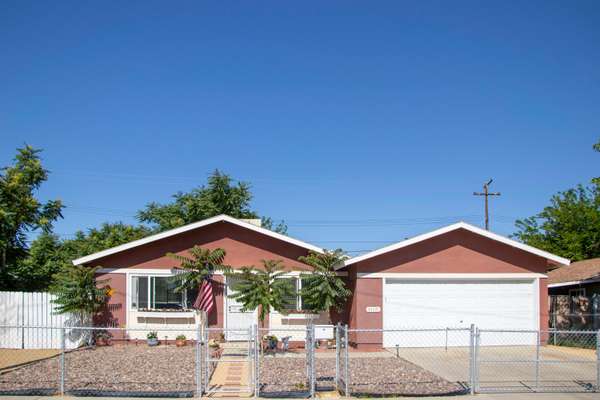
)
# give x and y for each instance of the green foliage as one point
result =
(199, 267)
(569, 226)
(262, 289)
(323, 289)
(220, 196)
(20, 211)
(77, 291)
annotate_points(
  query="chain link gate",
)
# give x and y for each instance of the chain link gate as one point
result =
(341, 359)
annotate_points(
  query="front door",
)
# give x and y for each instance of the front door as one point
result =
(237, 321)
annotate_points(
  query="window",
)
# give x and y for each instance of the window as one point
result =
(292, 303)
(155, 293)
(577, 292)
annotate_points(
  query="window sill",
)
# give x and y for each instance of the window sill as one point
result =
(166, 314)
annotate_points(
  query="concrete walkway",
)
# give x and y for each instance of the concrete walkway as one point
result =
(231, 376)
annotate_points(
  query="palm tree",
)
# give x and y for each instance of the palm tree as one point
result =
(263, 289)
(323, 288)
(77, 291)
(198, 268)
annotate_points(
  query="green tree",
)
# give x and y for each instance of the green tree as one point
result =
(220, 196)
(323, 289)
(262, 289)
(46, 258)
(201, 266)
(21, 212)
(568, 227)
(49, 255)
(77, 291)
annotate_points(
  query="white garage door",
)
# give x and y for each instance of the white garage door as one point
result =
(489, 304)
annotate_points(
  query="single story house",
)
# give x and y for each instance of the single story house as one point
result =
(575, 295)
(582, 278)
(451, 277)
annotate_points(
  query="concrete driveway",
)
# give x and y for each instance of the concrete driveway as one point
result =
(511, 368)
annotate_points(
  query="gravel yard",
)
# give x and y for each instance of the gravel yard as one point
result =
(168, 370)
(368, 376)
(119, 368)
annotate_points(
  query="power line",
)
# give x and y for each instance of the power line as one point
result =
(486, 194)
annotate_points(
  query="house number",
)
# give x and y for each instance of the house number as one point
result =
(374, 309)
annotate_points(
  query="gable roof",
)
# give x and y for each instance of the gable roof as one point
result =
(453, 227)
(192, 226)
(577, 273)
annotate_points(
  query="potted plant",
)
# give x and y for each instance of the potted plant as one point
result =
(271, 342)
(102, 338)
(180, 340)
(152, 338)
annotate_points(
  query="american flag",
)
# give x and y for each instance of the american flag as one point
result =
(205, 301)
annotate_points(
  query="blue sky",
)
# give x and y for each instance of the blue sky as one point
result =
(359, 123)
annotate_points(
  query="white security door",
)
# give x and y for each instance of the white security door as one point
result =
(237, 322)
(489, 304)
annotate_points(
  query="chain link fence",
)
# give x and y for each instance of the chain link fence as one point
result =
(537, 361)
(292, 363)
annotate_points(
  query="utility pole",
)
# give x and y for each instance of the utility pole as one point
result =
(486, 193)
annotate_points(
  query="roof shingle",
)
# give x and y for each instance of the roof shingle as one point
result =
(577, 271)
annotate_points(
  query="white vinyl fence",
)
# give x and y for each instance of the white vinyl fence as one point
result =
(18, 309)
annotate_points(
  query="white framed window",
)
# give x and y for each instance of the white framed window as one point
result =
(294, 302)
(155, 292)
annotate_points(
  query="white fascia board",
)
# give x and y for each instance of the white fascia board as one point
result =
(450, 276)
(572, 283)
(453, 227)
(192, 226)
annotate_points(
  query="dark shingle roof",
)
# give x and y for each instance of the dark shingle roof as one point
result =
(577, 271)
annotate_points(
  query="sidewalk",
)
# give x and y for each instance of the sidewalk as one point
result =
(498, 396)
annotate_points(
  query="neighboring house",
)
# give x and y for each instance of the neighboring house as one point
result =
(582, 278)
(452, 277)
(575, 296)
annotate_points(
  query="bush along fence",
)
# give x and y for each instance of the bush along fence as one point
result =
(294, 363)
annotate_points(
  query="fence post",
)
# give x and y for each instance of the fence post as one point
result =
(598, 360)
(537, 362)
(346, 361)
(62, 360)
(337, 356)
(313, 379)
(257, 343)
(476, 360)
(198, 362)
(472, 358)
(207, 362)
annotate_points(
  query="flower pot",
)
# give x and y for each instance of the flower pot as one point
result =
(152, 342)
(102, 342)
(180, 342)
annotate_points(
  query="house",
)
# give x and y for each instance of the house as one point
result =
(142, 293)
(582, 278)
(452, 277)
(575, 296)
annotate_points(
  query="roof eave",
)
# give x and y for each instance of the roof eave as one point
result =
(189, 227)
(453, 227)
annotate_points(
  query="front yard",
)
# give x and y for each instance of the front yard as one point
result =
(170, 371)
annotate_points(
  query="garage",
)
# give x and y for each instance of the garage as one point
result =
(506, 304)
(445, 281)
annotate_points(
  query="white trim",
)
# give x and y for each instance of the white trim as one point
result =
(152, 271)
(450, 228)
(571, 283)
(172, 271)
(436, 276)
(192, 226)
(536, 303)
